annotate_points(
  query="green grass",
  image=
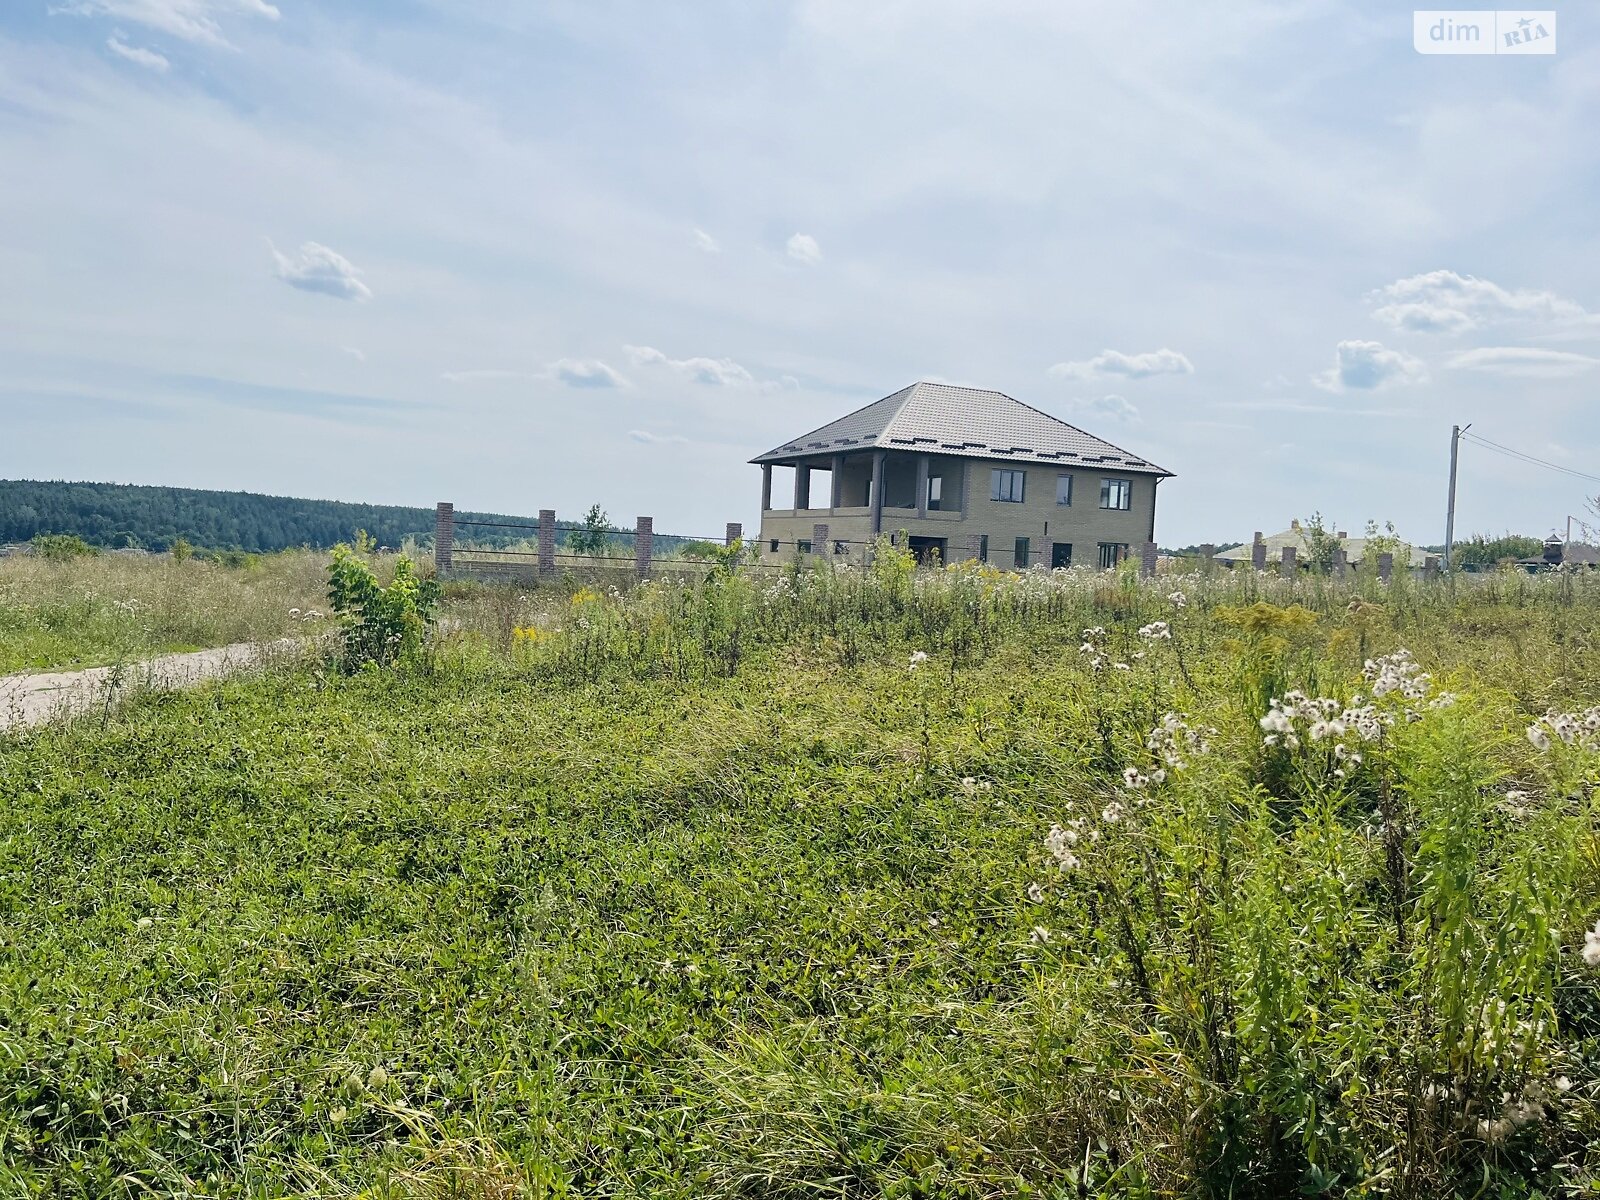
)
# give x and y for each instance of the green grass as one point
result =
(92, 611)
(707, 893)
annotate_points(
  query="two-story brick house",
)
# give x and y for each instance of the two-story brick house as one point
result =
(963, 473)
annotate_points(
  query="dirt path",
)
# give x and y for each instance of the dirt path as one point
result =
(34, 699)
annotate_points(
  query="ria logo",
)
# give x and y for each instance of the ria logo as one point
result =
(1483, 31)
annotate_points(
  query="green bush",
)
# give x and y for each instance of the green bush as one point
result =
(62, 547)
(380, 625)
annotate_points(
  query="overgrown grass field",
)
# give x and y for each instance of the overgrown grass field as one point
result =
(835, 884)
(87, 611)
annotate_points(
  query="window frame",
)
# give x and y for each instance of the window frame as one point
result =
(1067, 503)
(935, 495)
(1055, 552)
(1126, 488)
(1012, 475)
(1120, 552)
(1021, 553)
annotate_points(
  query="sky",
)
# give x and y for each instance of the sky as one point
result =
(521, 255)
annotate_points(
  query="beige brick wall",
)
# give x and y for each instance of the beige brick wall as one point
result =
(1083, 524)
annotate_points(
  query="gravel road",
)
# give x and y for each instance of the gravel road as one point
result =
(33, 699)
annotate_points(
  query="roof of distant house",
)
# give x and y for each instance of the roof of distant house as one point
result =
(1299, 537)
(941, 418)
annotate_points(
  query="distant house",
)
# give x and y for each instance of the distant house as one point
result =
(1562, 554)
(965, 473)
(1297, 536)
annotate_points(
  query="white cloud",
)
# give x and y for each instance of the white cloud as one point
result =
(657, 439)
(713, 372)
(191, 20)
(318, 269)
(148, 59)
(355, 352)
(1446, 302)
(704, 241)
(803, 248)
(1363, 366)
(574, 372)
(1104, 406)
(1525, 362)
(1113, 363)
(585, 373)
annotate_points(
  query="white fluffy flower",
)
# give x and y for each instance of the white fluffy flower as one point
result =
(1591, 946)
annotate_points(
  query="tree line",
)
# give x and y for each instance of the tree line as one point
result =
(117, 515)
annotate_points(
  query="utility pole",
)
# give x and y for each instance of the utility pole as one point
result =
(1450, 512)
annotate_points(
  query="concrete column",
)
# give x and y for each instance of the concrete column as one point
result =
(1386, 567)
(1289, 567)
(444, 536)
(878, 457)
(1147, 560)
(547, 540)
(1258, 553)
(836, 481)
(1208, 558)
(732, 532)
(802, 487)
(819, 540)
(922, 485)
(1430, 566)
(766, 487)
(643, 545)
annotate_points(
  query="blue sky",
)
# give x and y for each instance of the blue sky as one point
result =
(519, 255)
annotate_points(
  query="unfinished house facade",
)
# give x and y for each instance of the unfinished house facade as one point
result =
(959, 473)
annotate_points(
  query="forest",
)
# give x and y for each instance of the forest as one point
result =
(117, 515)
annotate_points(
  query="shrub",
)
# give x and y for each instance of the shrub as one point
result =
(380, 625)
(62, 547)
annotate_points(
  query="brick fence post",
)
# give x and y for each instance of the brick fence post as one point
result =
(1147, 560)
(644, 538)
(1258, 553)
(1341, 562)
(1386, 566)
(444, 536)
(732, 533)
(819, 539)
(1430, 566)
(547, 540)
(1290, 564)
(975, 546)
(1208, 558)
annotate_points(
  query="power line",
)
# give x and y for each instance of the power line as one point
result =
(1497, 448)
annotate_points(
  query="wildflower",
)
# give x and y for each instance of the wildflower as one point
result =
(918, 657)
(1591, 946)
(376, 1078)
(1058, 842)
(294, 612)
(1113, 812)
(1040, 935)
(1178, 599)
(1156, 630)
(1539, 738)
(144, 922)
(338, 1113)
(1035, 893)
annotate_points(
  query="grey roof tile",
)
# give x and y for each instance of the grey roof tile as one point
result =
(970, 421)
